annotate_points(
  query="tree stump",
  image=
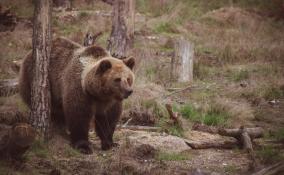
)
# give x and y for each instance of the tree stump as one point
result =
(16, 140)
(182, 61)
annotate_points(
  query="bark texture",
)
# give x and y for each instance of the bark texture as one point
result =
(40, 95)
(122, 34)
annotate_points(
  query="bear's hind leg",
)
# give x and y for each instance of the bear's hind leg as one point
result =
(78, 121)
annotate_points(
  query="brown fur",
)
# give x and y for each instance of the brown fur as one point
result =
(85, 82)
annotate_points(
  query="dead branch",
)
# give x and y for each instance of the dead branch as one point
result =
(173, 116)
(178, 91)
(274, 169)
(126, 123)
(139, 128)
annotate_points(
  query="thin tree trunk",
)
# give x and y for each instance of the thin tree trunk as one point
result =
(40, 95)
(122, 34)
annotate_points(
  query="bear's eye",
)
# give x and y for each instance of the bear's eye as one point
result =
(129, 81)
(117, 80)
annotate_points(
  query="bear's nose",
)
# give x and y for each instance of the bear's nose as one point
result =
(128, 93)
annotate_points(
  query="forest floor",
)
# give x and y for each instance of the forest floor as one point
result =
(238, 81)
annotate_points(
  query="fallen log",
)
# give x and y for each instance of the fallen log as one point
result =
(16, 140)
(139, 128)
(256, 132)
(243, 135)
(228, 144)
(8, 87)
(275, 169)
(204, 128)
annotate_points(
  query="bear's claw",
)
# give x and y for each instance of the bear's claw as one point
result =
(83, 146)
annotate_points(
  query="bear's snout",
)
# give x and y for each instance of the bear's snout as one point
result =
(127, 93)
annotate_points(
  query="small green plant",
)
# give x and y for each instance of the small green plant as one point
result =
(278, 135)
(240, 75)
(230, 169)
(70, 152)
(189, 112)
(151, 72)
(200, 70)
(268, 154)
(164, 156)
(272, 92)
(165, 27)
(39, 149)
(175, 130)
(167, 126)
(83, 14)
(216, 116)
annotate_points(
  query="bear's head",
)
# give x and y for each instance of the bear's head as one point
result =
(106, 77)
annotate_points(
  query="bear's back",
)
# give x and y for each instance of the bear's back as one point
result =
(61, 54)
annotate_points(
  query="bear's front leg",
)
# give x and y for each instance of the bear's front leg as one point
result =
(105, 123)
(103, 130)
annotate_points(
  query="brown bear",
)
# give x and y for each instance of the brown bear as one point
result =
(85, 83)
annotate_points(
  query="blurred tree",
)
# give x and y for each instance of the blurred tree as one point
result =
(62, 3)
(122, 34)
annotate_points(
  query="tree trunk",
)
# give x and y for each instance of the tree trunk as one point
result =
(40, 95)
(122, 34)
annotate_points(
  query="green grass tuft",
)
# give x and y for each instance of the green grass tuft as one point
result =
(40, 149)
(83, 14)
(165, 27)
(272, 92)
(268, 154)
(240, 75)
(70, 152)
(216, 115)
(163, 156)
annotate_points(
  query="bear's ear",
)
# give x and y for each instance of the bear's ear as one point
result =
(104, 66)
(95, 51)
(129, 62)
